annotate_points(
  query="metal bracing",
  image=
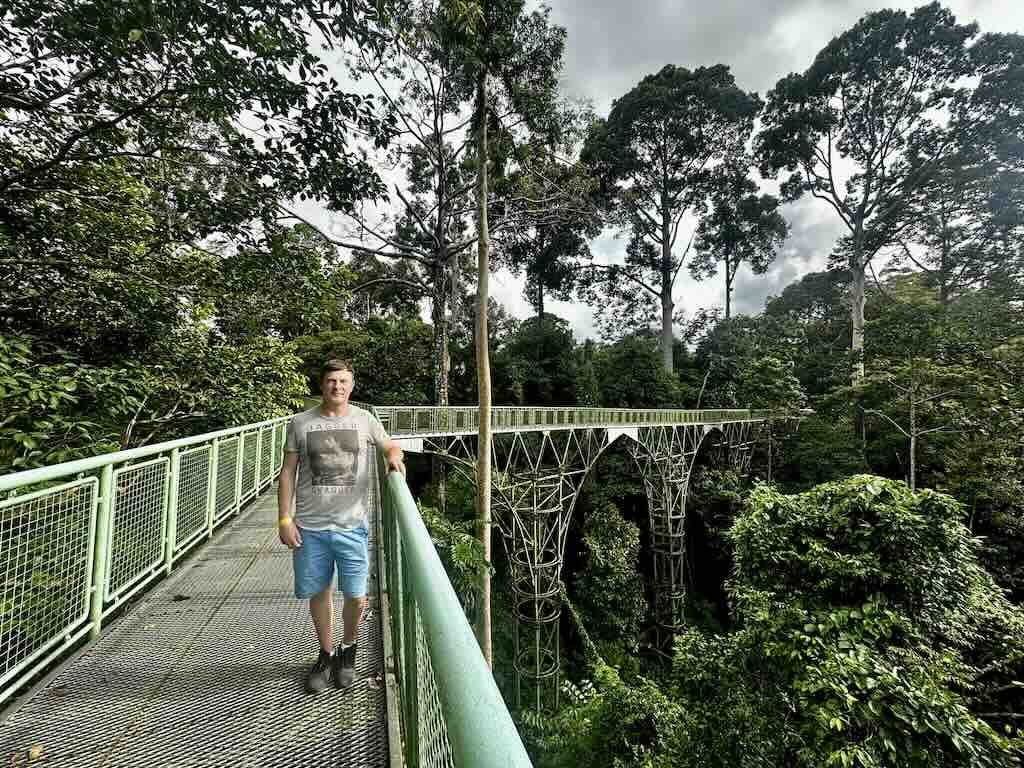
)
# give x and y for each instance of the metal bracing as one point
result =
(537, 475)
(536, 481)
(666, 457)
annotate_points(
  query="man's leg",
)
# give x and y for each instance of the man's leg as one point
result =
(352, 614)
(314, 571)
(321, 608)
(353, 559)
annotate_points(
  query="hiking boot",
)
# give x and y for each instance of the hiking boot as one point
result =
(344, 664)
(319, 677)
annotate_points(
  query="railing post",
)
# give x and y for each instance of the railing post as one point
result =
(211, 494)
(239, 464)
(259, 459)
(101, 550)
(171, 511)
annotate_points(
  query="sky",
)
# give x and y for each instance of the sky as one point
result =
(612, 44)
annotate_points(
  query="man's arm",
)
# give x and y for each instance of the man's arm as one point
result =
(287, 531)
(394, 453)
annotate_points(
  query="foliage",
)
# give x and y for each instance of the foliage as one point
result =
(891, 644)
(461, 553)
(630, 375)
(53, 408)
(608, 724)
(608, 590)
(90, 80)
(391, 357)
(288, 285)
(57, 407)
(536, 363)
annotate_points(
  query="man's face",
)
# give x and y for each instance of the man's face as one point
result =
(336, 386)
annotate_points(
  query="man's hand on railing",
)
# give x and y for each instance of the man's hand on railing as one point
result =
(288, 533)
(394, 454)
(395, 464)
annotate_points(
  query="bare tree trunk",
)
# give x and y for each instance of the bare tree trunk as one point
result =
(442, 365)
(913, 428)
(728, 290)
(666, 290)
(483, 487)
(857, 267)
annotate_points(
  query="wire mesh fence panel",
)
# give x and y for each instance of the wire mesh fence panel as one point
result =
(432, 735)
(45, 571)
(193, 493)
(266, 454)
(137, 523)
(227, 470)
(249, 458)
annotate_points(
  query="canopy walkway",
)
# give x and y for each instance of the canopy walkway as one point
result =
(147, 617)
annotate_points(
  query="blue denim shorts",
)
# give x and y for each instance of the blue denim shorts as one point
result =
(321, 551)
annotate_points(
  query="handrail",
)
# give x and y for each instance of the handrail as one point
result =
(54, 471)
(475, 729)
(108, 526)
(427, 421)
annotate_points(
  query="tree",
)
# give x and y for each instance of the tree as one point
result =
(812, 318)
(536, 364)
(89, 82)
(391, 357)
(866, 633)
(654, 155)
(287, 286)
(631, 375)
(743, 228)
(869, 101)
(512, 58)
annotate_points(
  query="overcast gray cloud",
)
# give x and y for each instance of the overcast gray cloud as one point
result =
(612, 44)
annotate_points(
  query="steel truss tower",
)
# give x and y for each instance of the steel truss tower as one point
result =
(666, 458)
(536, 480)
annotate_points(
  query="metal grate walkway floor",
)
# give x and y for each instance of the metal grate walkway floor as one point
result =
(207, 670)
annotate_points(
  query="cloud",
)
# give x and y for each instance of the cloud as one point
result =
(612, 44)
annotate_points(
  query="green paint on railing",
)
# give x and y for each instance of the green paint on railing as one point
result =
(476, 721)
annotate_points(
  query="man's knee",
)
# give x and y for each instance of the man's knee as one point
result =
(324, 595)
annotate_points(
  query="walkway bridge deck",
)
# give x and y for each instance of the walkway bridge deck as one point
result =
(206, 667)
(207, 670)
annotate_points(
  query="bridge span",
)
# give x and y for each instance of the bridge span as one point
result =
(146, 614)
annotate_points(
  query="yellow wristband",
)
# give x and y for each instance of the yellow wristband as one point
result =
(283, 520)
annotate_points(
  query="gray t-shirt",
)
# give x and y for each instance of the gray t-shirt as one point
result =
(334, 471)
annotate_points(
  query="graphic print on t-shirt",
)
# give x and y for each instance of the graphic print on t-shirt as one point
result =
(333, 458)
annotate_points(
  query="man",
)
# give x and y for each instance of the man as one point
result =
(326, 469)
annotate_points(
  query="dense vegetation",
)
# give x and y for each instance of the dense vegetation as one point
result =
(855, 600)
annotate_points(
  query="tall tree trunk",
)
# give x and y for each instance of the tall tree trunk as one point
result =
(857, 268)
(913, 426)
(666, 289)
(442, 366)
(483, 364)
(728, 289)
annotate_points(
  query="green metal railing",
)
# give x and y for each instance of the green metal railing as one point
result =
(451, 710)
(426, 421)
(79, 539)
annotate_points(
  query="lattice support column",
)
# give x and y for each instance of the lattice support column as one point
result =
(534, 515)
(665, 457)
